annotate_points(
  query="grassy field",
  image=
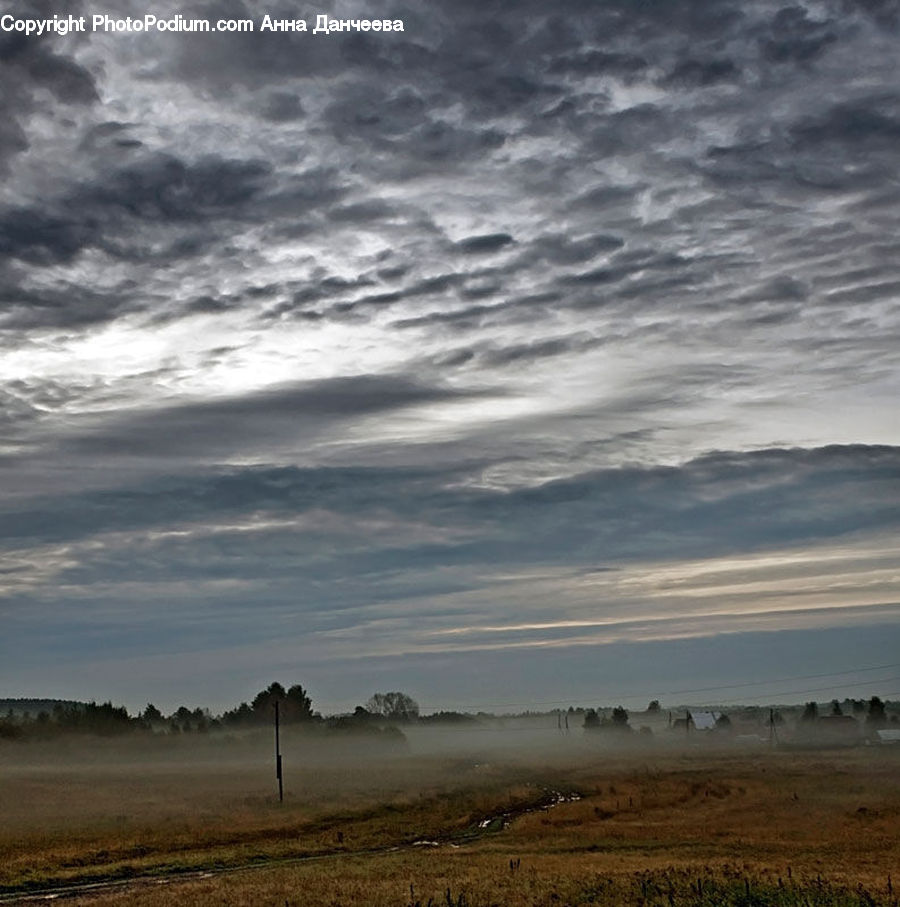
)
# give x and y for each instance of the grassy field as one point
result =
(187, 823)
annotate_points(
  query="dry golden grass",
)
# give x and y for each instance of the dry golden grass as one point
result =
(470, 879)
(126, 811)
(715, 818)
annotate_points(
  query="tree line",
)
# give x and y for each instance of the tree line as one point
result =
(294, 705)
(873, 710)
(43, 719)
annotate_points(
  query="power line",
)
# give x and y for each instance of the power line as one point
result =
(754, 683)
(724, 686)
(861, 683)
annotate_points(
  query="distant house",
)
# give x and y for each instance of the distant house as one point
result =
(888, 735)
(697, 721)
(705, 721)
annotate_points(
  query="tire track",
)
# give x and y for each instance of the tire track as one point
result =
(489, 825)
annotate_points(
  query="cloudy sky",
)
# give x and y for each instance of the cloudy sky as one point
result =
(538, 354)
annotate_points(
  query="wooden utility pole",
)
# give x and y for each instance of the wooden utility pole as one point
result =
(278, 757)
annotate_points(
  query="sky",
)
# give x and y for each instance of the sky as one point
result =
(536, 355)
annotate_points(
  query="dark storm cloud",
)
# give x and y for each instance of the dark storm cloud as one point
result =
(541, 349)
(293, 414)
(885, 12)
(480, 245)
(494, 356)
(565, 250)
(29, 67)
(42, 238)
(628, 276)
(283, 491)
(718, 504)
(281, 106)
(395, 127)
(747, 500)
(373, 114)
(842, 147)
(493, 63)
(780, 289)
(439, 287)
(608, 199)
(156, 207)
(478, 315)
(867, 123)
(151, 209)
(691, 73)
(159, 190)
(887, 290)
(23, 308)
(598, 63)
(167, 189)
(69, 82)
(795, 37)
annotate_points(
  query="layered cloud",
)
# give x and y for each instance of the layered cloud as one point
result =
(392, 315)
(338, 564)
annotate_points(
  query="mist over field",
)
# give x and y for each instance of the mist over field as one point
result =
(479, 809)
(272, 802)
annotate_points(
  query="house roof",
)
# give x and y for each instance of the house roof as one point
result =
(705, 721)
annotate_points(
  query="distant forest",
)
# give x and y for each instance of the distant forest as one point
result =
(385, 713)
(29, 719)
